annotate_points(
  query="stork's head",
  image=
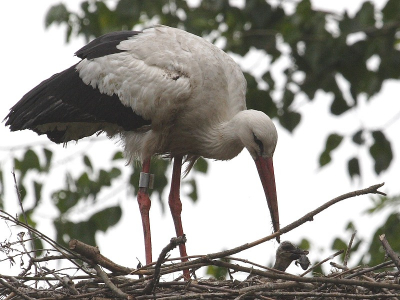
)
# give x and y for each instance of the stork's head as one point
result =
(258, 134)
(286, 253)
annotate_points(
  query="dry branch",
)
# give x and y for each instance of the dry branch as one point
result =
(93, 254)
(393, 256)
(263, 283)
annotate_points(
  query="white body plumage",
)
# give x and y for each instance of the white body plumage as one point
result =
(164, 91)
(184, 84)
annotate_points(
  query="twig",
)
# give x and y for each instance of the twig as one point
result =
(61, 249)
(386, 264)
(15, 290)
(174, 242)
(322, 261)
(394, 257)
(264, 286)
(345, 269)
(347, 254)
(307, 217)
(65, 281)
(308, 279)
(109, 283)
(31, 235)
(385, 290)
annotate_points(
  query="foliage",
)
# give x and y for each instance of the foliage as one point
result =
(92, 275)
(375, 253)
(217, 272)
(83, 192)
(324, 48)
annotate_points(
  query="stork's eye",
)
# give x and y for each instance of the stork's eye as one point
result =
(259, 143)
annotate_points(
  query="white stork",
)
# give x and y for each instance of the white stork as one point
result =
(163, 91)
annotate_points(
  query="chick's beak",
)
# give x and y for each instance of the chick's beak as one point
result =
(265, 168)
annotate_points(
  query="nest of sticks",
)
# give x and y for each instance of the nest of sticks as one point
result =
(90, 275)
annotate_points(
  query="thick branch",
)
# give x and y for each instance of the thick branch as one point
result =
(93, 253)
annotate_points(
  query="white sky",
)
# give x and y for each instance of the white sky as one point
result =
(231, 191)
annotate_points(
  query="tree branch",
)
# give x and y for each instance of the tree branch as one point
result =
(393, 256)
(93, 253)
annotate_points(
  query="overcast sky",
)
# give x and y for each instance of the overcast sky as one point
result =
(31, 54)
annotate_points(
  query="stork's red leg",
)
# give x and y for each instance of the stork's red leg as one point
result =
(175, 205)
(144, 206)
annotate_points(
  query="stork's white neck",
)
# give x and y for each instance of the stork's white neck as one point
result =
(222, 141)
(227, 139)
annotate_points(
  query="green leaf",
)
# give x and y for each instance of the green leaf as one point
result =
(358, 137)
(22, 190)
(193, 193)
(118, 155)
(381, 152)
(114, 173)
(382, 202)
(324, 159)
(30, 161)
(128, 11)
(104, 178)
(391, 230)
(86, 231)
(65, 199)
(201, 165)
(339, 105)
(159, 169)
(82, 231)
(391, 11)
(218, 273)
(366, 15)
(38, 191)
(304, 244)
(350, 226)
(106, 218)
(87, 162)
(288, 98)
(38, 246)
(259, 99)
(353, 167)
(28, 215)
(267, 77)
(333, 141)
(339, 244)
(48, 156)
(84, 183)
(57, 14)
(290, 120)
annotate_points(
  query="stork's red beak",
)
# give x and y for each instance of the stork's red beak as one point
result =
(265, 169)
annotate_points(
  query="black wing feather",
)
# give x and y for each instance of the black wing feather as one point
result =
(65, 99)
(105, 44)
